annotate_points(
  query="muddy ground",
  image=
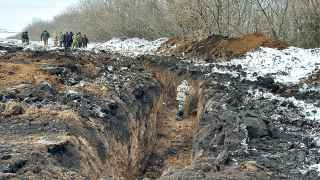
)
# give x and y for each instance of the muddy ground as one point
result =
(94, 115)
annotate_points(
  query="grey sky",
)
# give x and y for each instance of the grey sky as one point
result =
(16, 14)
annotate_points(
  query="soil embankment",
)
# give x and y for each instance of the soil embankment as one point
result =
(217, 48)
(75, 116)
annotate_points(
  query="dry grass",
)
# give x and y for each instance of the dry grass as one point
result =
(91, 70)
(100, 90)
(68, 115)
(12, 74)
(36, 113)
(169, 83)
(47, 113)
(13, 108)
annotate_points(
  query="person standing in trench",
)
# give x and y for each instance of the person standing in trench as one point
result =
(183, 91)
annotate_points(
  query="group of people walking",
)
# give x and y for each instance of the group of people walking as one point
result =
(71, 40)
(66, 40)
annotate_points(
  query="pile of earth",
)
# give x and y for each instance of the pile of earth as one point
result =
(217, 48)
(75, 115)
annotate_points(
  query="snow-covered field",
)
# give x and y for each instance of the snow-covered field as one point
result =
(130, 47)
(4, 35)
(286, 66)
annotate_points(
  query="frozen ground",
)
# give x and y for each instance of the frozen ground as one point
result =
(130, 47)
(4, 35)
(286, 66)
(309, 111)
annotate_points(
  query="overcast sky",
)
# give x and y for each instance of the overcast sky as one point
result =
(16, 14)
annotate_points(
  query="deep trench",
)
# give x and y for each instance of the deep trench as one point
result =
(174, 139)
(173, 149)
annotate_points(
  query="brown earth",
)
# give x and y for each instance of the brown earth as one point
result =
(15, 73)
(314, 79)
(219, 48)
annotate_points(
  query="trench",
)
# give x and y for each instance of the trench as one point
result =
(144, 142)
(173, 148)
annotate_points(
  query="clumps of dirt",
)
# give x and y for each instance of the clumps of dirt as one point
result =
(314, 79)
(219, 48)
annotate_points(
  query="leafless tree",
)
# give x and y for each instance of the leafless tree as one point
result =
(295, 21)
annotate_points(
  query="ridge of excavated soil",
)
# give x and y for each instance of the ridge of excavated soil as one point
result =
(219, 48)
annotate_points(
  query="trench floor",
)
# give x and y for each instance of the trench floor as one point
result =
(174, 146)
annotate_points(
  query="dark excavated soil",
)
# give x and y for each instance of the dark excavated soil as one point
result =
(85, 115)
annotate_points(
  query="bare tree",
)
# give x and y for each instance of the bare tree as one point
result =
(295, 21)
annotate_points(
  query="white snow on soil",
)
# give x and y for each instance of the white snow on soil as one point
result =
(131, 47)
(315, 167)
(309, 88)
(310, 111)
(4, 35)
(12, 42)
(286, 66)
(32, 46)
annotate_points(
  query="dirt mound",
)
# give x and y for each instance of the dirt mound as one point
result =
(217, 47)
(314, 79)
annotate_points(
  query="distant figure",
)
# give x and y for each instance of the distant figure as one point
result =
(80, 40)
(62, 38)
(76, 39)
(25, 38)
(45, 37)
(69, 39)
(85, 41)
(65, 42)
(56, 40)
(182, 92)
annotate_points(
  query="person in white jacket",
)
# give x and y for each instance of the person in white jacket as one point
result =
(182, 92)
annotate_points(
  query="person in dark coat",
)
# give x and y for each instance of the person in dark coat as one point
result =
(61, 39)
(25, 38)
(65, 42)
(70, 39)
(79, 40)
(45, 37)
(85, 41)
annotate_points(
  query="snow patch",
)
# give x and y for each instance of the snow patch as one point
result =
(34, 47)
(309, 111)
(286, 66)
(2, 52)
(309, 88)
(315, 167)
(130, 47)
(10, 42)
(224, 71)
